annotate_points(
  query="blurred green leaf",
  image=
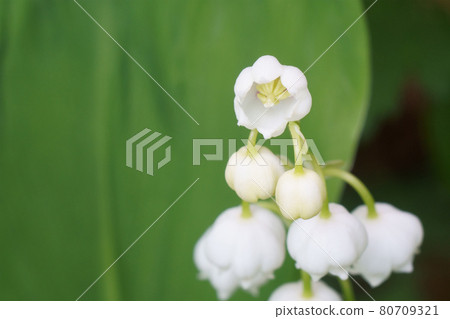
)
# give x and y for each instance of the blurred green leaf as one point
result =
(70, 98)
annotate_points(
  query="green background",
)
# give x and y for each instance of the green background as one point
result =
(70, 98)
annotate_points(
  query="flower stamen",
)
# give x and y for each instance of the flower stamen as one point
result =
(272, 93)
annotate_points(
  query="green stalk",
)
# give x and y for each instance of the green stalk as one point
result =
(293, 128)
(252, 137)
(251, 142)
(246, 212)
(307, 286)
(347, 289)
(359, 187)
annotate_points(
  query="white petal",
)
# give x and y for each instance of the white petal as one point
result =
(320, 246)
(302, 105)
(266, 69)
(230, 170)
(270, 122)
(376, 279)
(244, 82)
(240, 114)
(339, 272)
(276, 163)
(393, 239)
(254, 182)
(406, 268)
(247, 260)
(253, 178)
(317, 276)
(220, 247)
(200, 259)
(293, 291)
(324, 293)
(271, 221)
(272, 251)
(300, 196)
(293, 80)
(225, 284)
(237, 251)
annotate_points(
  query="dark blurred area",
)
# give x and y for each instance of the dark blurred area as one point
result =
(404, 154)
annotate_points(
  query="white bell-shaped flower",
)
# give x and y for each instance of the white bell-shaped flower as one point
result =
(241, 251)
(269, 95)
(293, 291)
(394, 238)
(327, 245)
(253, 176)
(300, 195)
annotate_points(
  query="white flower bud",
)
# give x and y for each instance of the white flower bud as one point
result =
(394, 239)
(300, 195)
(241, 251)
(293, 291)
(253, 177)
(327, 245)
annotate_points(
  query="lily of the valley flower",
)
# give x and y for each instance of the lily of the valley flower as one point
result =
(300, 195)
(327, 245)
(293, 291)
(253, 176)
(394, 238)
(241, 251)
(268, 95)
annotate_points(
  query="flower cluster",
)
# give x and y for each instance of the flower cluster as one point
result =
(243, 248)
(246, 244)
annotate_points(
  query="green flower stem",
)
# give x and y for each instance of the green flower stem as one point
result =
(252, 137)
(270, 205)
(307, 288)
(359, 187)
(246, 212)
(325, 212)
(335, 163)
(251, 150)
(347, 289)
(288, 165)
(294, 128)
(251, 142)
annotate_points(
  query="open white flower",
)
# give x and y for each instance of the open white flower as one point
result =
(241, 251)
(293, 291)
(269, 95)
(300, 195)
(253, 177)
(394, 238)
(327, 245)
